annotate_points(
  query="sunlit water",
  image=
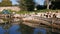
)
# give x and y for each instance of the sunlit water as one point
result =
(21, 29)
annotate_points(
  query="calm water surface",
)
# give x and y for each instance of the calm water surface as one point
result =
(21, 29)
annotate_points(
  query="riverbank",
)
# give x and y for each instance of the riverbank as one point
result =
(32, 16)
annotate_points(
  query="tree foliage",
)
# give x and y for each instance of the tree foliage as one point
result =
(26, 4)
(6, 3)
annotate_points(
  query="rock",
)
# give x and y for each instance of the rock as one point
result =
(16, 15)
(1, 21)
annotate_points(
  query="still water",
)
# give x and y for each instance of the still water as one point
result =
(21, 29)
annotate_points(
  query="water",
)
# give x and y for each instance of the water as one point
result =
(39, 31)
(9, 30)
(21, 29)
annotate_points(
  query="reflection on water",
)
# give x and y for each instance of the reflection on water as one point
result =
(13, 29)
(40, 31)
(26, 29)
(1, 30)
(21, 29)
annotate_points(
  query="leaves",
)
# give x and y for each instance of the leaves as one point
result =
(6, 3)
(26, 4)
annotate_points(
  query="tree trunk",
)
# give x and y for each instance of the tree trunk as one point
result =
(47, 4)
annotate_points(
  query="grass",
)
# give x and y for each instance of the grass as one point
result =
(27, 12)
(37, 11)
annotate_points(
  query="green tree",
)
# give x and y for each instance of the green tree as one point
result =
(26, 4)
(6, 3)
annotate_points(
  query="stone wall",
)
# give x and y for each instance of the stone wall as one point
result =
(13, 8)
